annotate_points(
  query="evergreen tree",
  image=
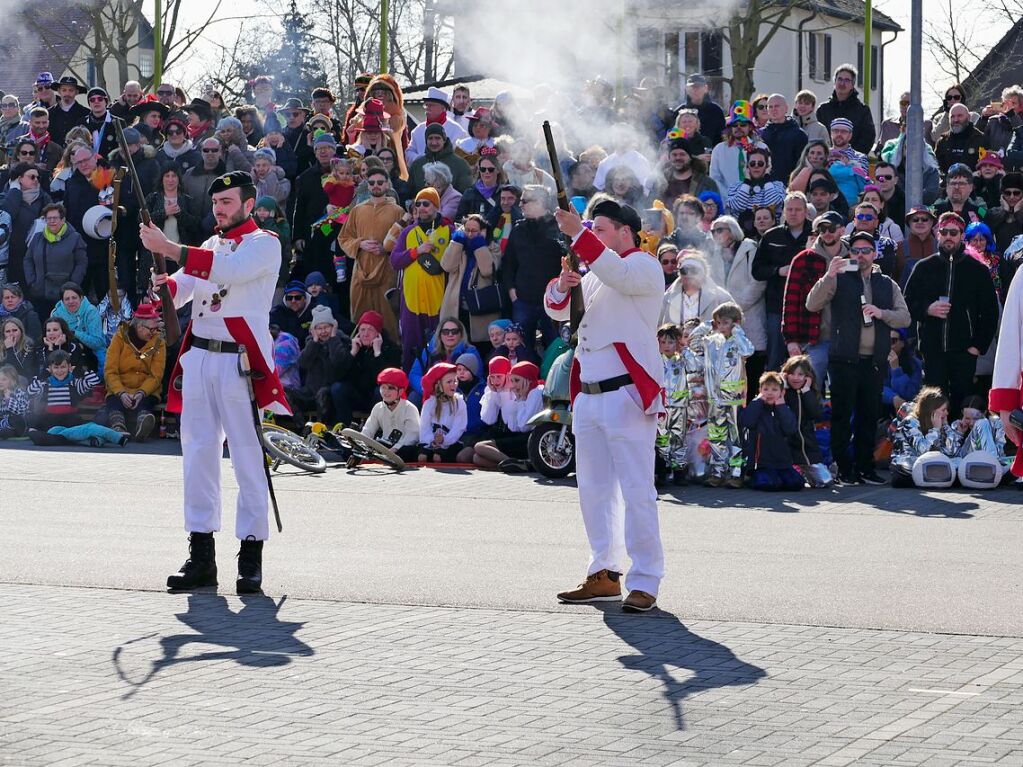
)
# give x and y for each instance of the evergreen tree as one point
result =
(295, 68)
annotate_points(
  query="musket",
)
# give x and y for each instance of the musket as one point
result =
(172, 330)
(115, 210)
(575, 311)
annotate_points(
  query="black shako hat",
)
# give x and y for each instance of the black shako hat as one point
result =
(236, 179)
(622, 214)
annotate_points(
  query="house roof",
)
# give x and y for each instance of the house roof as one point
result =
(23, 56)
(1000, 68)
(854, 10)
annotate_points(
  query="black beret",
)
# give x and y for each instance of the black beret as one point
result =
(236, 179)
(1012, 180)
(622, 214)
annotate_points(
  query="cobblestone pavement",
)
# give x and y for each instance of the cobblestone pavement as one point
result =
(116, 677)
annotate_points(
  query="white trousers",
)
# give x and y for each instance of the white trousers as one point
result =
(215, 403)
(614, 463)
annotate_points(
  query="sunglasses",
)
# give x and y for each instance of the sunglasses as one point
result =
(487, 170)
(30, 153)
(450, 332)
(761, 107)
(865, 217)
(293, 298)
(424, 204)
(921, 219)
(719, 229)
(950, 231)
(210, 151)
(885, 177)
(756, 164)
(821, 228)
(954, 97)
(376, 182)
(861, 251)
(1012, 193)
(669, 262)
(96, 98)
(175, 132)
(12, 105)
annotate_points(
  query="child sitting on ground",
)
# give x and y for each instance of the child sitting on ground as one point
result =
(802, 398)
(56, 397)
(520, 400)
(14, 404)
(467, 369)
(980, 456)
(495, 391)
(444, 416)
(770, 426)
(923, 442)
(394, 421)
(672, 426)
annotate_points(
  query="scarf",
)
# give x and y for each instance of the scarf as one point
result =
(440, 120)
(195, 131)
(486, 191)
(30, 195)
(51, 237)
(506, 226)
(41, 141)
(58, 382)
(173, 153)
(6, 125)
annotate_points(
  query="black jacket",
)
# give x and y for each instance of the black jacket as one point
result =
(777, 248)
(61, 122)
(79, 196)
(854, 110)
(23, 217)
(361, 371)
(319, 362)
(806, 406)
(106, 130)
(769, 430)
(310, 202)
(532, 258)
(974, 315)
(473, 201)
(712, 118)
(296, 324)
(959, 147)
(786, 141)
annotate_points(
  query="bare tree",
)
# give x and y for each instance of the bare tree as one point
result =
(749, 31)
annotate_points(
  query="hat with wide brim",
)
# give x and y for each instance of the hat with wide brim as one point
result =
(296, 105)
(436, 94)
(147, 105)
(70, 80)
(201, 107)
(97, 222)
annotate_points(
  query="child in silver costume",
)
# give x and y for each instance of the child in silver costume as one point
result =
(673, 425)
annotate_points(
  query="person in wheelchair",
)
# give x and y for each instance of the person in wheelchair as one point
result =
(394, 421)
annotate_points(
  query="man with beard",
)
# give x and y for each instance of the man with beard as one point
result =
(130, 96)
(230, 281)
(67, 113)
(962, 143)
(296, 135)
(728, 157)
(952, 299)
(959, 196)
(362, 238)
(48, 151)
(198, 180)
(683, 175)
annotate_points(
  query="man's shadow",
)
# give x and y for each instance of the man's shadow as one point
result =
(663, 643)
(251, 637)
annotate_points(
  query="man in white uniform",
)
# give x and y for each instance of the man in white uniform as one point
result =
(436, 105)
(617, 390)
(230, 281)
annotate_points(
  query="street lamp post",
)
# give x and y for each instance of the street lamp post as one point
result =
(913, 147)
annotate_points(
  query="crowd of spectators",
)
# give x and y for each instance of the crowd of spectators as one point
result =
(813, 328)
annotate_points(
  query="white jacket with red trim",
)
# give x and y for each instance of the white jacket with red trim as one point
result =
(622, 296)
(230, 280)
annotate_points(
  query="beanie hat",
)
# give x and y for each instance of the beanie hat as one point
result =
(499, 365)
(230, 122)
(266, 152)
(434, 375)
(132, 136)
(429, 193)
(991, 158)
(394, 377)
(268, 202)
(470, 362)
(434, 129)
(295, 286)
(314, 278)
(146, 312)
(322, 315)
(841, 122)
(324, 138)
(959, 169)
(1012, 180)
(503, 324)
(373, 318)
(527, 370)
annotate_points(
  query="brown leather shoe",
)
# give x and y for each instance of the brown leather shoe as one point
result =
(639, 602)
(602, 586)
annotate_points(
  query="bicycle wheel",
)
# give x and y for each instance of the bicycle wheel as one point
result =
(292, 449)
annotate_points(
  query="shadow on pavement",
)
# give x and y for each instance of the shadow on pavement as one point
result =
(663, 643)
(251, 637)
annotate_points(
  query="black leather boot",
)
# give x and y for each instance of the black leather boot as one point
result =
(200, 569)
(250, 567)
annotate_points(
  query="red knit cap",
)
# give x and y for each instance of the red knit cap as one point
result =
(527, 370)
(372, 318)
(433, 375)
(499, 366)
(394, 377)
(147, 312)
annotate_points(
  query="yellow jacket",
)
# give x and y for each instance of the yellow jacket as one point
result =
(130, 369)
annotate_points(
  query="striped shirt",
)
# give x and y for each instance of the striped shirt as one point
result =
(63, 398)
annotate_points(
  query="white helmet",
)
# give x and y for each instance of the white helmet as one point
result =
(97, 222)
(980, 470)
(933, 469)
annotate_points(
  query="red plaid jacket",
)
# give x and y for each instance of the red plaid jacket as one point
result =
(798, 324)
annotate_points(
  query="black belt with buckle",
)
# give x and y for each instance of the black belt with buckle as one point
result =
(608, 384)
(212, 345)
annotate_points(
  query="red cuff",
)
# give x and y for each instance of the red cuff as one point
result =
(1003, 399)
(588, 247)
(199, 263)
(172, 286)
(547, 297)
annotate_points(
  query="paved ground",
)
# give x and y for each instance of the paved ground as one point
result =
(410, 621)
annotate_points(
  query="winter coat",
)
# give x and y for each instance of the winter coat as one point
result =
(287, 320)
(481, 261)
(770, 429)
(275, 185)
(709, 298)
(320, 361)
(974, 315)
(188, 159)
(712, 118)
(899, 383)
(473, 201)
(310, 202)
(48, 265)
(449, 202)
(786, 141)
(430, 356)
(361, 371)
(776, 250)
(29, 317)
(23, 220)
(130, 369)
(79, 196)
(62, 121)
(189, 225)
(461, 176)
(28, 363)
(196, 184)
(532, 258)
(748, 293)
(806, 406)
(959, 147)
(86, 324)
(855, 111)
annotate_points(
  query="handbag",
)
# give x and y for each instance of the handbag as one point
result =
(485, 300)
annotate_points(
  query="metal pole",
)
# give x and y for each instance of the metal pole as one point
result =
(383, 36)
(868, 22)
(913, 148)
(157, 43)
(619, 55)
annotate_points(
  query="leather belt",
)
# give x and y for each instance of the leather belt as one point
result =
(607, 385)
(212, 345)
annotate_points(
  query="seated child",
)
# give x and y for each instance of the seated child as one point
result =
(495, 391)
(444, 416)
(394, 421)
(692, 354)
(923, 443)
(56, 397)
(495, 331)
(980, 458)
(672, 426)
(517, 348)
(520, 400)
(467, 369)
(770, 426)
(803, 399)
(14, 404)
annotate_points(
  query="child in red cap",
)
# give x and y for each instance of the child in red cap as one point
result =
(520, 400)
(444, 416)
(394, 421)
